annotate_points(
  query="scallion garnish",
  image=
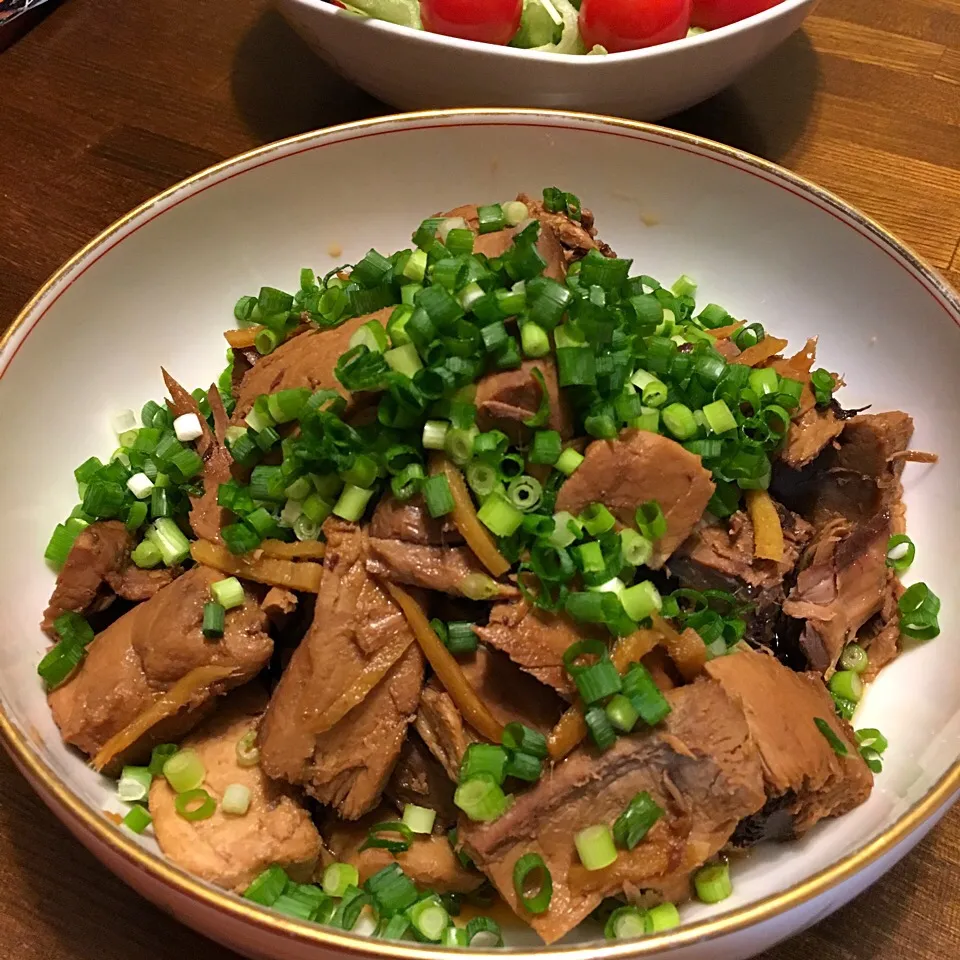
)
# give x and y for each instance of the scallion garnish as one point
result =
(391, 835)
(532, 883)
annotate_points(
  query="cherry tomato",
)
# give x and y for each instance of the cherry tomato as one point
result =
(711, 14)
(621, 25)
(487, 21)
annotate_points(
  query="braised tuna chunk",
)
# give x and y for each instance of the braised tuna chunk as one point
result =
(229, 850)
(719, 555)
(636, 467)
(509, 694)
(857, 476)
(534, 640)
(419, 778)
(97, 569)
(143, 654)
(499, 242)
(307, 360)
(700, 767)
(452, 570)
(408, 520)
(809, 434)
(430, 861)
(207, 517)
(577, 237)
(345, 764)
(505, 400)
(801, 771)
(842, 588)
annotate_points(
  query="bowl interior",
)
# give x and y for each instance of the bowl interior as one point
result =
(160, 289)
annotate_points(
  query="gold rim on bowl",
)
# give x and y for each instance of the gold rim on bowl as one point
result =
(54, 791)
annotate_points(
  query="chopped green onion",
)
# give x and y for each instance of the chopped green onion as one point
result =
(228, 593)
(653, 391)
(236, 800)
(625, 923)
(184, 771)
(718, 417)
(482, 478)
(146, 555)
(483, 932)
(566, 529)
(854, 658)
(621, 713)
(664, 916)
(391, 835)
(635, 822)
(901, 552)
(460, 637)
(429, 919)
(679, 420)
(499, 515)
(370, 335)
(348, 913)
(524, 493)
(523, 766)
(847, 684)
(546, 447)
(160, 755)
(568, 461)
(530, 870)
(598, 681)
(419, 819)
(478, 586)
(597, 519)
(247, 751)
(637, 550)
(195, 805)
(398, 926)
(650, 520)
(137, 819)
(352, 502)
(453, 936)
(169, 539)
(599, 727)
(645, 695)
(836, 744)
(641, 600)
(134, 784)
(764, 381)
(268, 887)
(481, 798)
(392, 889)
(337, 877)
(458, 444)
(483, 758)
(823, 384)
(435, 434)
(919, 607)
(437, 495)
(213, 620)
(595, 846)
(590, 557)
(713, 883)
(490, 218)
(404, 359)
(534, 340)
(518, 737)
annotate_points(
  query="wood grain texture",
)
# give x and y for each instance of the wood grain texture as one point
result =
(107, 101)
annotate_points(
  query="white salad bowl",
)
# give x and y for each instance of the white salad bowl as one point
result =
(415, 70)
(159, 285)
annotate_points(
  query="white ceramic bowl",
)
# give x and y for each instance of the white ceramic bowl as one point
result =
(159, 286)
(415, 70)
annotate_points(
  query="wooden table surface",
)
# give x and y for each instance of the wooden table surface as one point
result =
(106, 102)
